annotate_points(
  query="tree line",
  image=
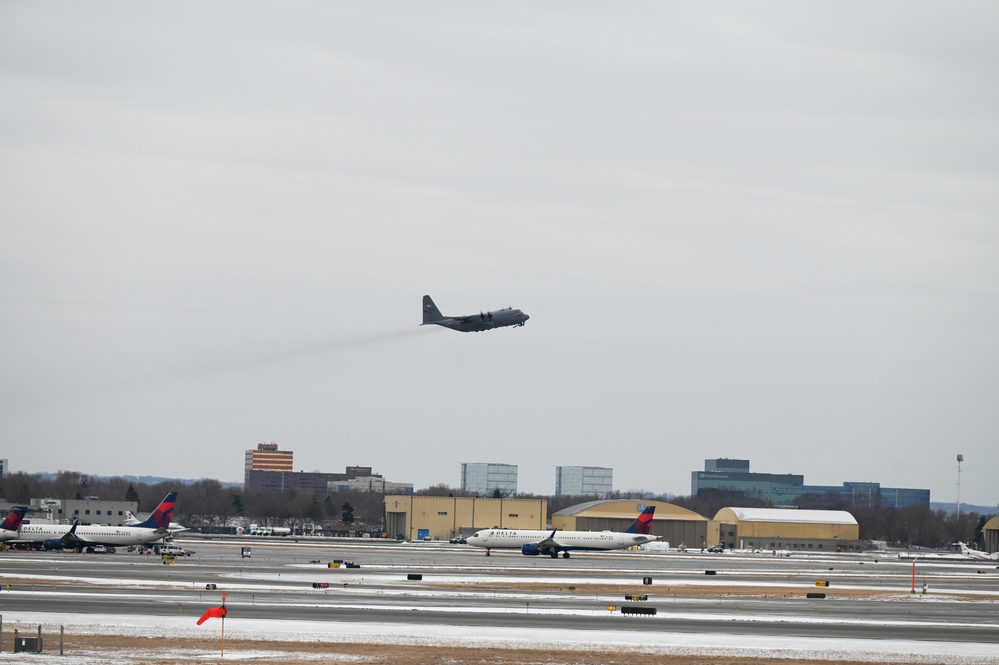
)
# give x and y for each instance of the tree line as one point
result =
(207, 503)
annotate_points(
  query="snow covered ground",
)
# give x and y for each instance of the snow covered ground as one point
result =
(385, 581)
(460, 637)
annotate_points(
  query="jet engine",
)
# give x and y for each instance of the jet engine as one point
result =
(52, 544)
(530, 550)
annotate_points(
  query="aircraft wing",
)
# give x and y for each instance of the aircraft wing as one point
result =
(549, 544)
(474, 318)
(70, 539)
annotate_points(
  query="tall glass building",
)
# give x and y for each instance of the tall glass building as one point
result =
(484, 479)
(725, 475)
(584, 481)
(732, 475)
(865, 494)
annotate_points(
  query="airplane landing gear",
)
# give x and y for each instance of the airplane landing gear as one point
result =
(565, 555)
(487, 551)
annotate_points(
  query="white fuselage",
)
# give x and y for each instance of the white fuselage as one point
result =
(566, 540)
(6, 535)
(93, 535)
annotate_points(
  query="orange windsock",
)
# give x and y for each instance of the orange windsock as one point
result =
(219, 612)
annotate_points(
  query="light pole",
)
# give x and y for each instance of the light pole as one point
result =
(960, 458)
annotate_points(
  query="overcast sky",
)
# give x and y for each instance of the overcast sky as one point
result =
(765, 231)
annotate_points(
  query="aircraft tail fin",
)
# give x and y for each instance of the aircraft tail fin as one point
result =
(160, 519)
(13, 520)
(430, 312)
(643, 525)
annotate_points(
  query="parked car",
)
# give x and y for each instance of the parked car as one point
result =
(716, 548)
(100, 549)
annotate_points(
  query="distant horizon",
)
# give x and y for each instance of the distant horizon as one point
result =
(947, 506)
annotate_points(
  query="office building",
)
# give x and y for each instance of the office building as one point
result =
(486, 479)
(369, 484)
(733, 476)
(863, 494)
(317, 482)
(595, 481)
(267, 457)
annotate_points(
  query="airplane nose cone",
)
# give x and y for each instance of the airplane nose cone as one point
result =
(526, 317)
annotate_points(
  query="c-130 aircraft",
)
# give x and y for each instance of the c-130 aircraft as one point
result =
(473, 322)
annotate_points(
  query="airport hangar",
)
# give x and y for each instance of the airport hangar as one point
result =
(673, 524)
(786, 528)
(743, 528)
(418, 517)
(991, 533)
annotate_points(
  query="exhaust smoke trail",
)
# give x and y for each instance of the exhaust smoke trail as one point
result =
(314, 349)
(191, 369)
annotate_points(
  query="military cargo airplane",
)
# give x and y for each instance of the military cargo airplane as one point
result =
(534, 543)
(473, 322)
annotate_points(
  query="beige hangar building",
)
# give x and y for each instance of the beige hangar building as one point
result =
(673, 524)
(418, 517)
(785, 528)
(991, 534)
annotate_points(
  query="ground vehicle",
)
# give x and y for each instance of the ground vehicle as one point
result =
(171, 549)
(716, 549)
(100, 549)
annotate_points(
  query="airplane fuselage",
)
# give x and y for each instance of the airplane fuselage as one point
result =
(116, 536)
(499, 318)
(563, 541)
(485, 321)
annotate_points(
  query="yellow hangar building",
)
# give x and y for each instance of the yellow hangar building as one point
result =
(673, 524)
(419, 517)
(785, 528)
(991, 533)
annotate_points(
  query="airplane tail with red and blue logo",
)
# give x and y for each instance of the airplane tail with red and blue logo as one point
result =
(643, 525)
(12, 522)
(160, 519)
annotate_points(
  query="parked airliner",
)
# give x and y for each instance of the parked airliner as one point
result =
(534, 543)
(132, 520)
(61, 536)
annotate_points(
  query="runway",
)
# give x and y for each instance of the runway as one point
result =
(727, 598)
